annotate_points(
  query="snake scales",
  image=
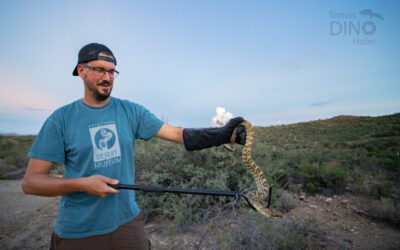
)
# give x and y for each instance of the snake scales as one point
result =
(256, 197)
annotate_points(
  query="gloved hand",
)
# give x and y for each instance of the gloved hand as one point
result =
(195, 139)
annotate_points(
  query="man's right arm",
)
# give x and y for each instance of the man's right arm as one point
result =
(38, 181)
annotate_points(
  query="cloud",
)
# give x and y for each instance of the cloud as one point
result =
(320, 103)
(221, 118)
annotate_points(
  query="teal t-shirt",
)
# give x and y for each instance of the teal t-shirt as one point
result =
(95, 141)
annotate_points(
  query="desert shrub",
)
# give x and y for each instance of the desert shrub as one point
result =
(281, 177)
(248, 230)
(379, 191)
(21, 161)
(58, 169)
(13, 153)
(315, 177)
(384, 210)
(275, 155)
(284, 201)
(208, 169)
(5, 169)
(303, 233)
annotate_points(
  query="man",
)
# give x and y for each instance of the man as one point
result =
(95, 139)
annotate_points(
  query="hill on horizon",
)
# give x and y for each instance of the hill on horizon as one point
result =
(355, 132)
(334, 117)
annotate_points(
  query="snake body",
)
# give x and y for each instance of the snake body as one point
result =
(258, 196)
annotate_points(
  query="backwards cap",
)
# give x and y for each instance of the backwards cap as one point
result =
(91, 52)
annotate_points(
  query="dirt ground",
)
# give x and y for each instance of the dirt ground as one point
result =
(26, 222)
(347, 225)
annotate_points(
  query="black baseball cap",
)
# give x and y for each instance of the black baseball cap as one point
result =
(91, 52)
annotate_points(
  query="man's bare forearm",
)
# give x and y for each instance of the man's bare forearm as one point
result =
(38, 181)
(48, 185)
(170, 133)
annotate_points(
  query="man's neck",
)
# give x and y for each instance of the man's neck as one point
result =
(95, 103)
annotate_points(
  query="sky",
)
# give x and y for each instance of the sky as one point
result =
(272, 62)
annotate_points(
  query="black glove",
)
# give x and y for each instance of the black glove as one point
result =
(195, 139)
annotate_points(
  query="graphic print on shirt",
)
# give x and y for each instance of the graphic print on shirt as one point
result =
(106, 149)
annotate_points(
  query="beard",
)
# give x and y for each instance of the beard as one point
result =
(102, 96)
(99, 95)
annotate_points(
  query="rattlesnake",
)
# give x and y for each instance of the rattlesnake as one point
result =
(256, 197)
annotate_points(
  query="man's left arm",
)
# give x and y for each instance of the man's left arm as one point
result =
(196, 139)
(170, 133)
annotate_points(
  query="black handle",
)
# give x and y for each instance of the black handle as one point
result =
(269, 196)
(159, 189)
(114, 186)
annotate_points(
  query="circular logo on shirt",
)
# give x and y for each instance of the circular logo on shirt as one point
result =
(104, 138)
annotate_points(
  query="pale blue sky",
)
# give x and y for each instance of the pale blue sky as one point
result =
(268, 61)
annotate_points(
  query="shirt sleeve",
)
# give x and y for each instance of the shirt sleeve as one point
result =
(49, 143)
(148, 124)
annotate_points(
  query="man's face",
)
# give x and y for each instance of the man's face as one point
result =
(100, 86)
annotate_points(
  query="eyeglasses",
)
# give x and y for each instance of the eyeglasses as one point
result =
(100, 71)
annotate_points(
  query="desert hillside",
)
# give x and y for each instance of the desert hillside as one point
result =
(336, 185)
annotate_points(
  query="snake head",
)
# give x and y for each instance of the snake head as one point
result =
(260, 202)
